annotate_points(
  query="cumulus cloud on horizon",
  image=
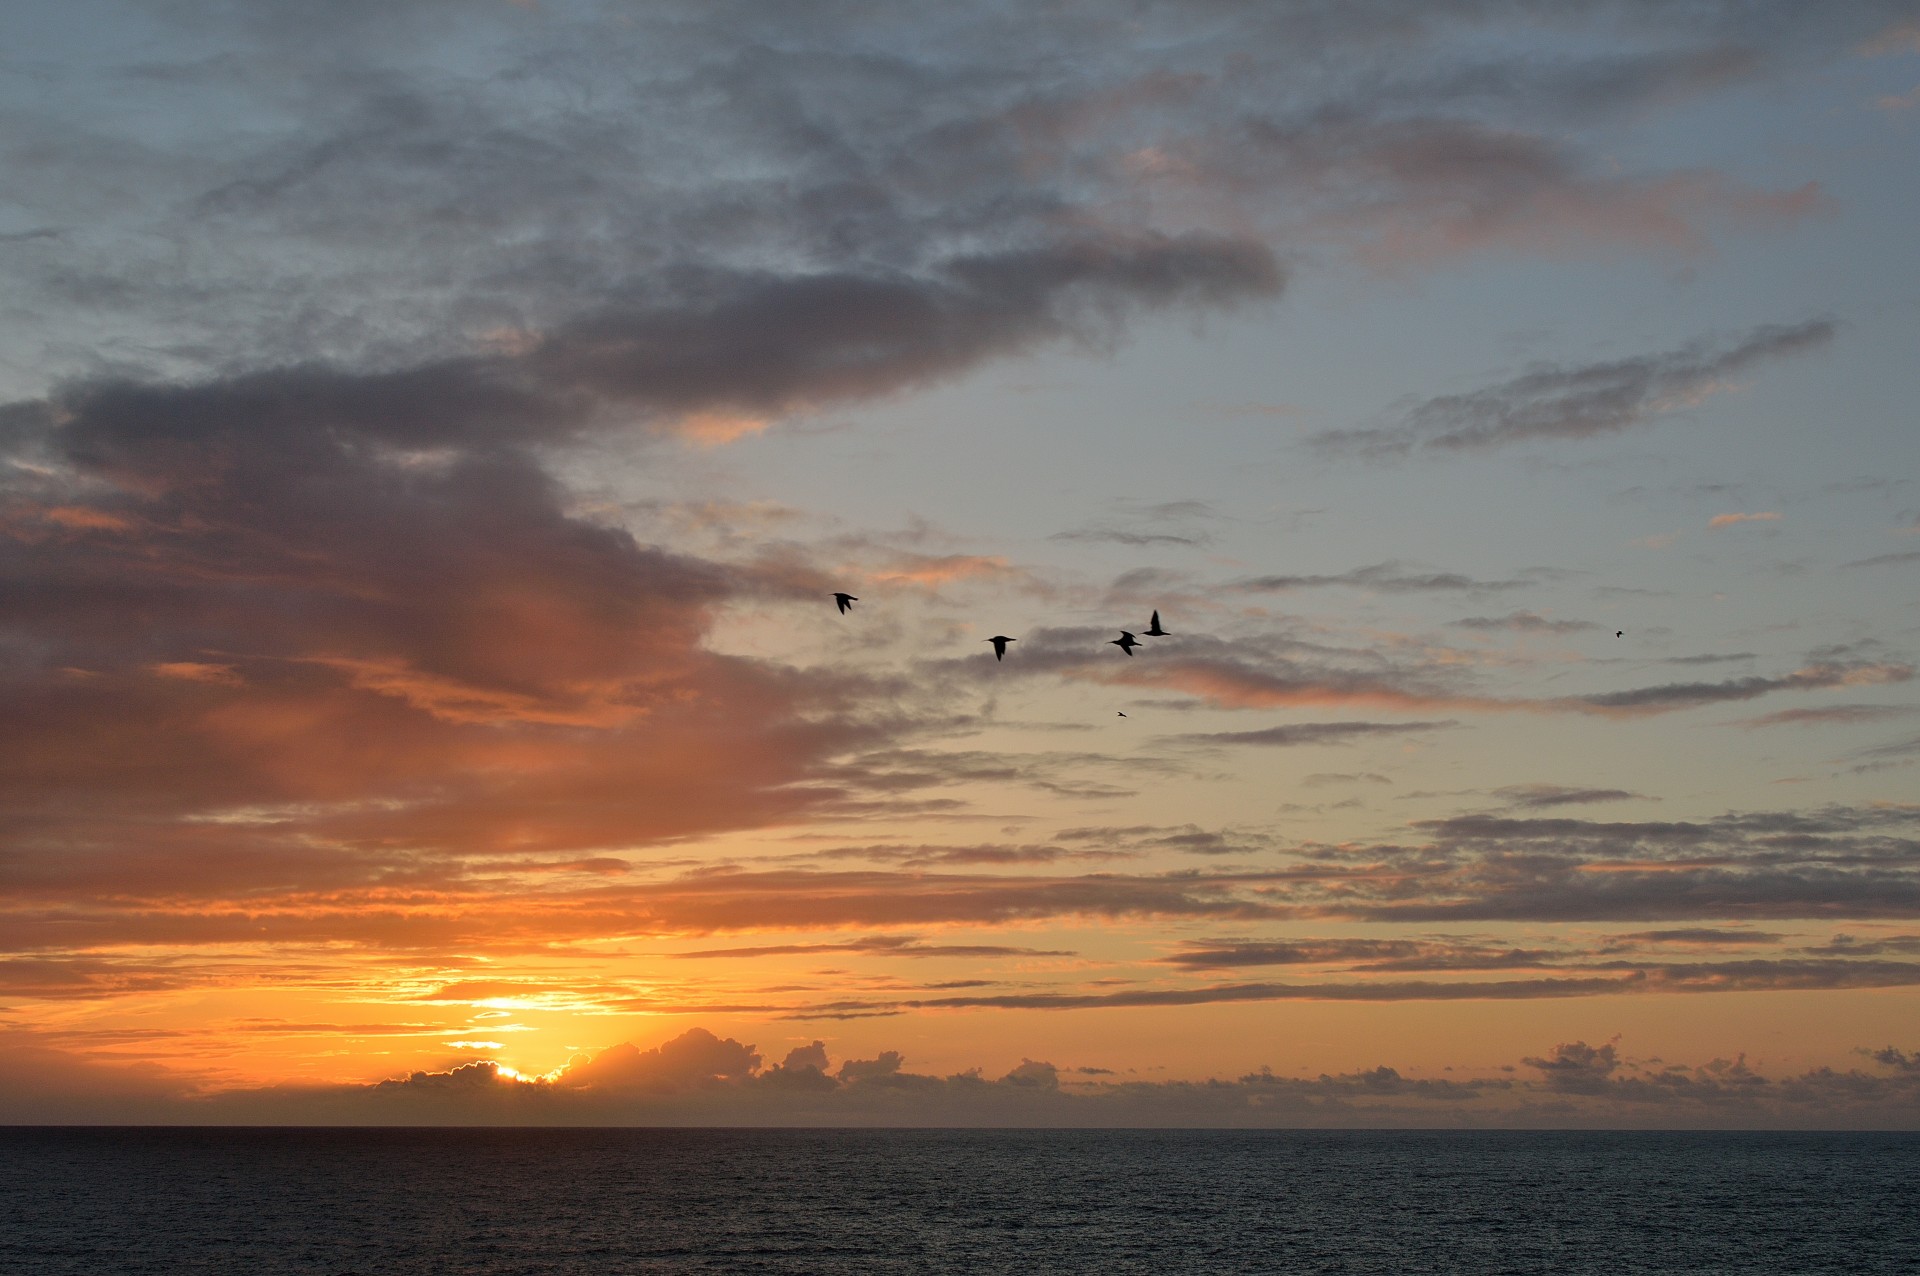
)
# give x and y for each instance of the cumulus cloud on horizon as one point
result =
(700, 1079)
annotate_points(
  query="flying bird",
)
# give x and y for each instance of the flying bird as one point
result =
(1000, 642)
(1619, 633)
(846, 602)
(1153, 627)
(1126, 642)
(1123, 713)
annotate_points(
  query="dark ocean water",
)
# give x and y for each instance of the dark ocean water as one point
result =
(394, 1202)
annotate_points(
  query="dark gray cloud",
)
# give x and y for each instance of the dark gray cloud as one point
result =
(1186, 839)
(1886, 560)
(1685, 695)
(1139, 525)
(1842, 945)
(1895, 749)
(1830, 863)
(1278, 670)
(771, 343)
(1314, 733)
(586, 171)
(1552, 401)
(1387, 578)
(1134, 539)
(1701, 935)
(1358, 954)
(1525, 622)
(1321, 778)
(1535, 796)
(1577, 1068)
(1588, 979)
(881, 946)
(1830, 714)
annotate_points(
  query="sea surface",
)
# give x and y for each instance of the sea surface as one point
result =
(438, 1202)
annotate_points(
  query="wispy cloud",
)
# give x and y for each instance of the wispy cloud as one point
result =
(1388, 578)
(1559, 402)
(1314, 733)
(1141, 525)
(1525, 622)
(1887, 560)
(1536, 796)
(1829, 715)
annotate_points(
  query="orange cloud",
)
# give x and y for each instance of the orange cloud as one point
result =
(1728, 520)
(83, 518)
(933, 571)
(718, 428)
(197, 671)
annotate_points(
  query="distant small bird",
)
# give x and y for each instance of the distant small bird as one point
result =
(1000, 642)
(1153, 627)
(1123, 713)
(1126, 642)
(846, 602)
(1619, 633)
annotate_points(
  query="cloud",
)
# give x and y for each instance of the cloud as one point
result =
(1615, 978)
(1134, 539)
(1829, 714)
(365, 607)
(1321, 778)
(1834, 862)
(1729, 520)
(1886, 560)
(1682, 695)
(1903, 36)
(1356, 955)
(1702, 935)
(881, 945)
(1525, 622)
(1894, 749)
(1536, 796)
(701, 1079)
(694, 1060)
(418, 206)
(1386, 578)
(1270, 672)
(1313, 733)
(1141, 525)
(774, 344)
(1556, 402)
(1577, 1068)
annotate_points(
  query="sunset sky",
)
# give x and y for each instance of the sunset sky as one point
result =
(431, 433)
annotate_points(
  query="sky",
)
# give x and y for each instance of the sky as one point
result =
(432, 432)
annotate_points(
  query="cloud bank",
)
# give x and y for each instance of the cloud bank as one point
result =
(699, 1079)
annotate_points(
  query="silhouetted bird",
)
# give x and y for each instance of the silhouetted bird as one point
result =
(1126, 642)
(1153, 627)
(1123, 713)
(1000, 642)
(1619, 633)
(846, 602)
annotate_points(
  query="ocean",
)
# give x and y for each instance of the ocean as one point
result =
(382, 1202)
